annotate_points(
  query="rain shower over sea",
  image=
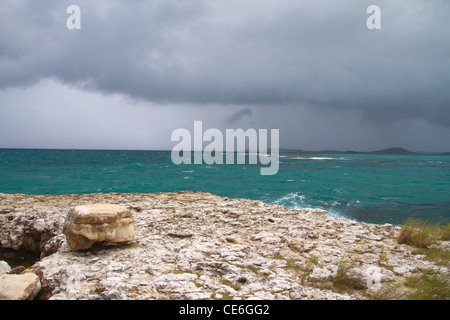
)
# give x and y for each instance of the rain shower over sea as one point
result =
(362, 187)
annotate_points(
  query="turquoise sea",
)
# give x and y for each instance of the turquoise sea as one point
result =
(367, 188)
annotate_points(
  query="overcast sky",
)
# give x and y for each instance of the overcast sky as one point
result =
(137, 70)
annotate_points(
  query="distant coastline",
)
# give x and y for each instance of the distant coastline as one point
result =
(387, 151)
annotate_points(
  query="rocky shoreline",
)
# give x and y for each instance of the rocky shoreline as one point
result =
(195, 245)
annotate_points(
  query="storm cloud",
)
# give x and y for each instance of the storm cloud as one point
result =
(257, 59)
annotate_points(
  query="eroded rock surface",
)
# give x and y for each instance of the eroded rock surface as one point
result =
(201, 246)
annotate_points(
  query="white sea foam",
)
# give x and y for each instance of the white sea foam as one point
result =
(321, 158)
(318, 158)
(335, 214)
(295, 200)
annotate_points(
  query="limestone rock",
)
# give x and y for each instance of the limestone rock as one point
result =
(370, 277)
(320, 275)
(300, 246)
(27, 231)
(36, 271)
(358, 275)
(17, 270)
(4, 267)
(92, 223)
(19, 286)
(53, 245)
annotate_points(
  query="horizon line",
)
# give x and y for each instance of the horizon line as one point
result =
(284, 150)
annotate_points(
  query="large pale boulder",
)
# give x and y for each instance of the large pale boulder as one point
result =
(91, 223)
(19, 286)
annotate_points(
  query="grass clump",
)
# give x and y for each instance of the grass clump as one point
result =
(422, 234)
(438, 255)
(231, 284)
(423, 285)
(306, 268)
(249, 267)
(428, 286)
(132, 245)
(343, 283)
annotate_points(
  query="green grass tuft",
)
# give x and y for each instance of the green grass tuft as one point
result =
(422, 234)
(343, 283)
(429, 286)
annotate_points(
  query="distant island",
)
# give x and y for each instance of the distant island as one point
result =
(390, 151)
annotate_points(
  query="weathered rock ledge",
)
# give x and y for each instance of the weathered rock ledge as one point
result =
(201, 246)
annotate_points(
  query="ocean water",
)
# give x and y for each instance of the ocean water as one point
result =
(366, 188)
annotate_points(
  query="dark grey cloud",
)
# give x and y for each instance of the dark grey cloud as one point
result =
(238, 116)
(250, 53)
